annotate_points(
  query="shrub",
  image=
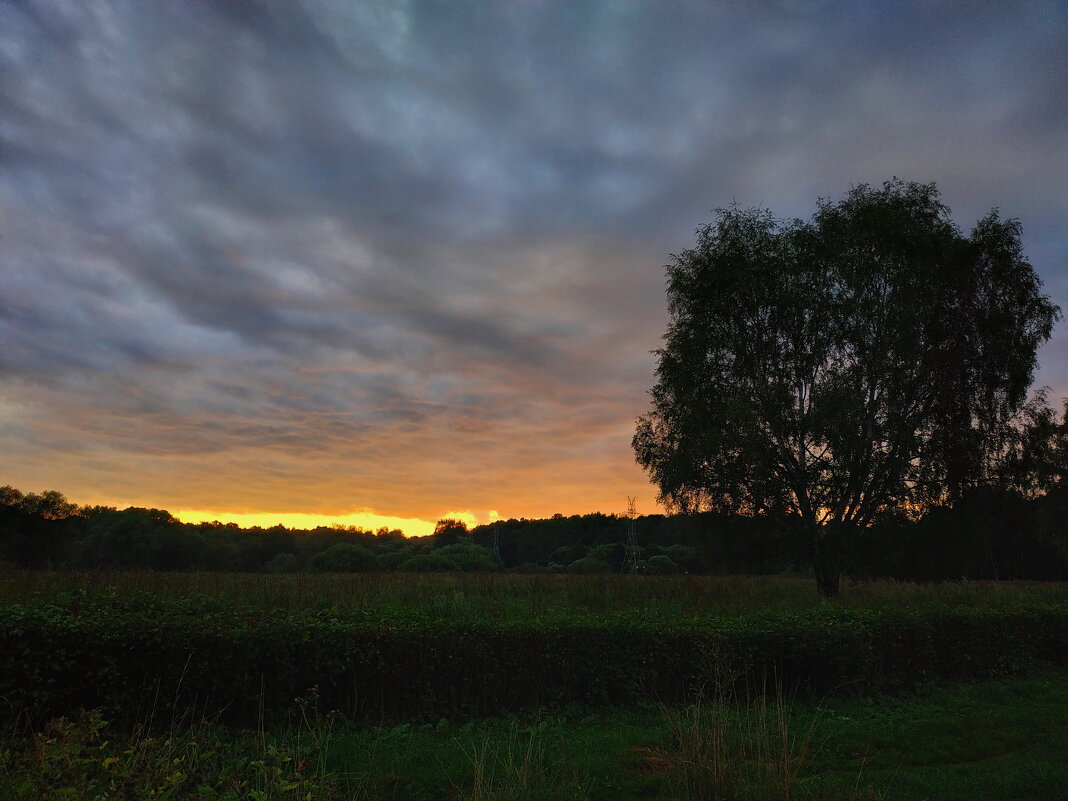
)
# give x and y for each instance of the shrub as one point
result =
(343, 558)
(133, 656)
(392, 560)
(533, 567)
(283, 563)
(428, 563)
(588, 565)
(468, 557)
(660, 565)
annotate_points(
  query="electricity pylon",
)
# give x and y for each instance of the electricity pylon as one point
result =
(630, 557)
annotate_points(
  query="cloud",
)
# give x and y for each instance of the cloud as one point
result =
(406, 256)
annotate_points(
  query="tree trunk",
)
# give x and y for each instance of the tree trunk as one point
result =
(827, 559)
(828, 579)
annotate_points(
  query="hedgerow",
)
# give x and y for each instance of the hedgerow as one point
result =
(145, 659)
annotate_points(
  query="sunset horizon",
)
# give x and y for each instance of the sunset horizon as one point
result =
(378, 263)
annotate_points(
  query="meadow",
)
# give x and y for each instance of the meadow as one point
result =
(497, 686)
(501, 596)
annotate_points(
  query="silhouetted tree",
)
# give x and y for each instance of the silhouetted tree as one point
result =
(344, 557)
(468, 557)
(448, 531)
(867, 360)
(589, 565)
(49, 505)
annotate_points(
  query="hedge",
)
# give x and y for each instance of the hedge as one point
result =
(145, 661)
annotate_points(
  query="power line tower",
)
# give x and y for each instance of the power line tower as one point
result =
(630, 557)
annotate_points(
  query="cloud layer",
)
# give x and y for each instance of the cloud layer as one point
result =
(407, 256)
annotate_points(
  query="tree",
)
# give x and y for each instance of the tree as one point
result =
(449, 530)
(660, 565)
(9, 496)
(50, 504)
(468, 557)
(589, 565)
(866, 361)
(344, 557)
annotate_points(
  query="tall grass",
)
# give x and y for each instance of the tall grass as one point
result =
(514, 765)
(722, 750)
(974, 740)
(458, 596)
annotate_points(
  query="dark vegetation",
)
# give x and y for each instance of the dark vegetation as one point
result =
(1000, 532)
(846, 395)
(843, 397)
(1001, 739)
(131, 654)
(833, 371)
(136, 684)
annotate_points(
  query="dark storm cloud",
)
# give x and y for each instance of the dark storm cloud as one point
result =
(407, 254)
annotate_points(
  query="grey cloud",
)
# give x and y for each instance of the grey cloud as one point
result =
(378, 238)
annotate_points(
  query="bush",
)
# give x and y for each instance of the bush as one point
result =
(660, 565)
(682, 555)
(127, 656)
(588, 565)
(533, 567)
(428, 563)
(468, 557)
(283, 563)
(392, 560)
(343, 558)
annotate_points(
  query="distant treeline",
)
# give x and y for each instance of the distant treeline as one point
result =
(992, 533)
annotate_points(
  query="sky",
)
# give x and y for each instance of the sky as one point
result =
(384, 262)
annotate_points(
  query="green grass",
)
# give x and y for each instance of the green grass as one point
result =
(999, 740)
(980, 740)
(1003, 740)
(481, 597)
(990, 740)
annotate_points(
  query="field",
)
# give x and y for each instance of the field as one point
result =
(142, 685)
(495, 596)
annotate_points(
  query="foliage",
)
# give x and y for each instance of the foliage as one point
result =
(82, 758)
(1011, 529)
(588, 565)
(427, 563)
(343, 558)
(127, 654)
(449, 530)
(871, 359)
(725, 750)
(467, 556)
(513, 766)
(991, 739)
(49, 505)
(660, 565)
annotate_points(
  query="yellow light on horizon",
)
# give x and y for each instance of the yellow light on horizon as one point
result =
(371, 521)
(365, 519)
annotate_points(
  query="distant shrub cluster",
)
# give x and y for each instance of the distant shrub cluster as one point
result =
(988, 534)
(142, 657)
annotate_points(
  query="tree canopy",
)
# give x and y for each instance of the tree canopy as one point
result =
(870, 359)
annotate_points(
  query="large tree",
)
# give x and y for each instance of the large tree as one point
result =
(867, 360)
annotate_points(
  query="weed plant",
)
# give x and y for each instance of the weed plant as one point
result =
(84, 760)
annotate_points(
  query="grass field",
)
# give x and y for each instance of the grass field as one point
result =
(1005, 738)
(491, 596)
